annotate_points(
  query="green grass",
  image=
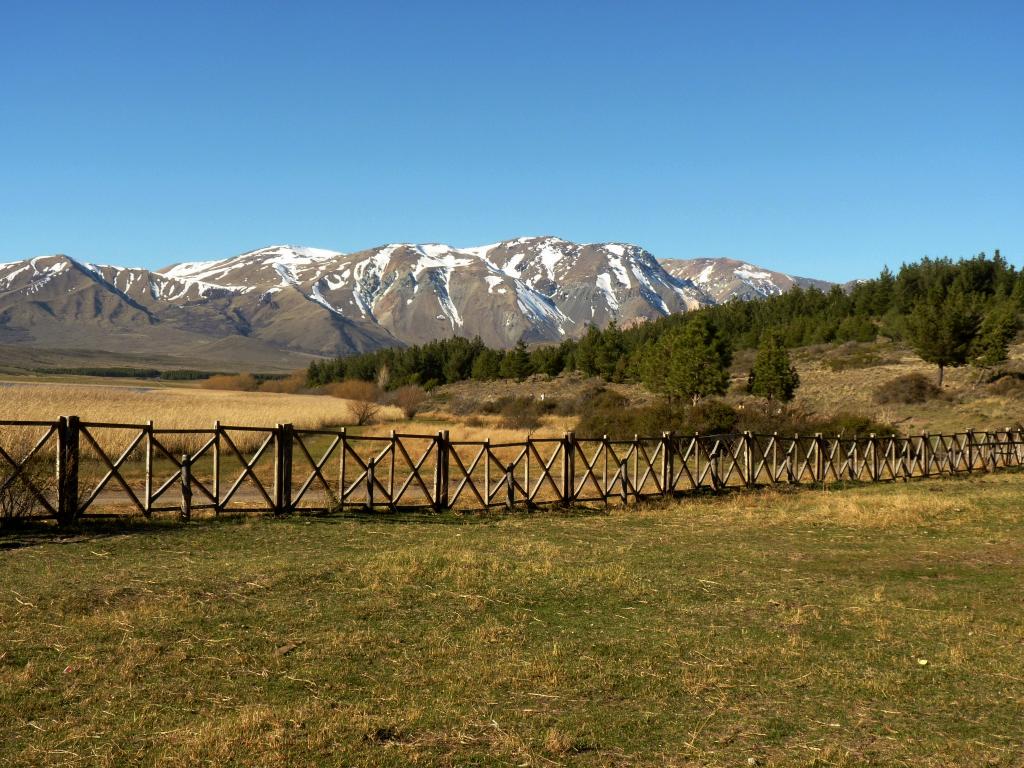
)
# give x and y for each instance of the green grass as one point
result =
(786, 628)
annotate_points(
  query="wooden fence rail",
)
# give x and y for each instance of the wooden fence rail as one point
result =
(71, 470)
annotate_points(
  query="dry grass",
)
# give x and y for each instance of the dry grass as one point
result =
(876, 626)
(826, 392)
(173, 408)
(179, 408)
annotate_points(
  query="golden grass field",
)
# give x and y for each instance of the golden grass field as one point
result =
(172, 408)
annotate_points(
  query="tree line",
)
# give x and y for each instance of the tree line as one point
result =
(950, 312)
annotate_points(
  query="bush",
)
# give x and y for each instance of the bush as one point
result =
(791, 420)
(291, 384)
(1011, 385)
(911, 389)
(522, 413)
(354, 389)
(364, 397)
(848, 424)
(242, 382)
(609, 414)
(409, 398)
(17, 501)
(711, 417)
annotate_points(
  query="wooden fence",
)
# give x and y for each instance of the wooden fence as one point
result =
(70, 470)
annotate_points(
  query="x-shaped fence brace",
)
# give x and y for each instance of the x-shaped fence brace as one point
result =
(19, 469)
(248, 466)
(178, 464)
(113, 465)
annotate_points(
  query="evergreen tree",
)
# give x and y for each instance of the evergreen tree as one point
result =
(943, 330)
(773, 376)
(516, 364)
(690, 362)
(991, 346)
(487, 365)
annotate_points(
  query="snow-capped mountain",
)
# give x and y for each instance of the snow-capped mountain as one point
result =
(317, 301)
(726, 279)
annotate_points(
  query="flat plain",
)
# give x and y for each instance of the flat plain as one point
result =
(873, 625)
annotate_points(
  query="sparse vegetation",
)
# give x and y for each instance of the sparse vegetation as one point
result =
(18, 499)
(409, 398)
(910, 389)
(236, 382)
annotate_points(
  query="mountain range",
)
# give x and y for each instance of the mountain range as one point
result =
(284, 303)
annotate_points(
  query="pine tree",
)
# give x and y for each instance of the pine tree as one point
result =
(773, 375)
(690, 362)
(991, 347)
(942, 331)
(487, 365)
(516, 364)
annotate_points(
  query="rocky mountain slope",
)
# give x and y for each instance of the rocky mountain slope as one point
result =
(321, 302)
(726, 279)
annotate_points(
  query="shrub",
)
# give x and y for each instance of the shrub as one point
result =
(242, 382)
(520, 412)
(1011, 385)
(711, 417)
(790, 420)
(409, 398)
(354, 389)
(609, 414)
(17, 501)
(291, 384)
(848, 424)
(363, 397)
(911, 389)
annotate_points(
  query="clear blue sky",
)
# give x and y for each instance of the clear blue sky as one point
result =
(824, 138)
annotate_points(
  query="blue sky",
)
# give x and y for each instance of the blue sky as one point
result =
(823, 138)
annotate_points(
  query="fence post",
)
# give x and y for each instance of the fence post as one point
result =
(277, 469)
(67, 470)
(624, 480)
(874, 457)
(510, 487)
(667, 461)
(748, 458)
(568, 467)
(186, 487)
(283, 469)
(487, 473)
(713, 466)
(970, 449)
(446, 485)
(216, 467)
(926, 453)
(369, 483)
(819, 458)
(439, 472)
(148, 506)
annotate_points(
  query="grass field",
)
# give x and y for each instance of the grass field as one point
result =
(874, 625)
